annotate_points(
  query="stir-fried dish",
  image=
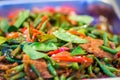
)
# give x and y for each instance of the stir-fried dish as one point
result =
(50, 44)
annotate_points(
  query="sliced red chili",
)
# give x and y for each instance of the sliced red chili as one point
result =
(58, 50)
(118, 54)
(65, 56)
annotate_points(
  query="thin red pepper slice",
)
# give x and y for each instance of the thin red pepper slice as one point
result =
(34, 33)
(28, 39)
(44, 18)
(77, 33)
(82, 59)
(23, 29)
(118, 54)
(65, 56)
(58, 50)
(12, 35)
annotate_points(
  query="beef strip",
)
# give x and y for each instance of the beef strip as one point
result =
(93, 46)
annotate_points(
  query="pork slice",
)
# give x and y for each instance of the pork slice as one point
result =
(41, 66)
(93, 46)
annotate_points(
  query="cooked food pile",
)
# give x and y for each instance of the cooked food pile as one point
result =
(52, 44)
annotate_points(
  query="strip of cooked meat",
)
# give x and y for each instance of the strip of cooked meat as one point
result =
(1, 75)
(7, 66)
(41, 65)
(93, 46)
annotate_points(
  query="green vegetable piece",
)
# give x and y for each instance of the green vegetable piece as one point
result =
(104, 69)
(82, 18)
(10, 59)
(36, 71)
(107, 49)
(4, 26)
(15, 69)
(26, 24)
(90, 56)
(33, 53)
(52, 70)
(114, 39)
(49, 59)
(107, 60)
(66, 36)
(96, 70)
(47, 38)
(37, 21)
(23, 15)
(43, 46)
(90, 68)
(65, 25)
(85, 76)
(17, 76)
(118, 39)
(12, 29)
(82, 30)
(78, 51)
(118, 48)
(105, 39)
(62, 77)
(112, 69)
(75, 66)
(2, 39)
(92, 35)
(44, 25)
(96, 32)
(56, 78)
(70, 78)
(16, 51)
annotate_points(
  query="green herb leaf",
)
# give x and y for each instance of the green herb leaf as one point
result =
(33, 53)
(78, 51)
(2, 39)
(66, 36)
(23, 15)
(84, 18)
(4, 25)
(43, 46)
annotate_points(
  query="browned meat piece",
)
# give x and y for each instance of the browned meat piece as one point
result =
(66, 72)
(93, 47)
(112, 45)
(1, 75)
(2, 58)
(41, 65)
(29, 72)
(7, 66)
